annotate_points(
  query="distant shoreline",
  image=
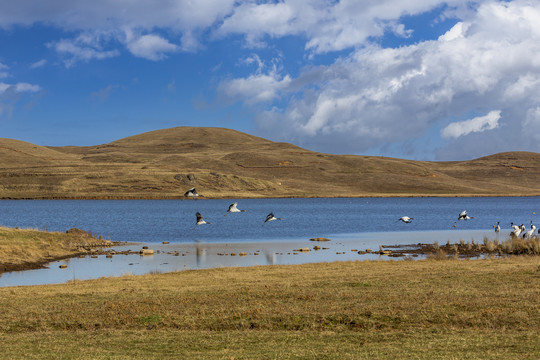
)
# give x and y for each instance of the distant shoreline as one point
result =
(269, 197)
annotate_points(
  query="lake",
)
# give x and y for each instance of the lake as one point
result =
(351, 223)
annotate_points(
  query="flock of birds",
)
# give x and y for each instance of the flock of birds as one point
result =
(233, 208)
(517, 230)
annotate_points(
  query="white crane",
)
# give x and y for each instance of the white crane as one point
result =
(405, 219)
(233, 209)
(271, 217)
(192, 193)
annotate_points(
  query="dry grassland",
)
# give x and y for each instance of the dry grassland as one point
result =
(483, 309)
(226, 163)
(28, 248)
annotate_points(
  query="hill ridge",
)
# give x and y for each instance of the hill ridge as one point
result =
(228, 163)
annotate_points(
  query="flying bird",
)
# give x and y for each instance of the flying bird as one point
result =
(405, 219)
(463, 216)
(200, 219)
(232, 209)
(270, 217)
(191, 193)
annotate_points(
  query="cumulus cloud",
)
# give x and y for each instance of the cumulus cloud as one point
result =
(256, 88)
(367, 97)
(377, 97)
(477, 124)
(151, 47)
(263, 86)
(328, 26)
(182, 19)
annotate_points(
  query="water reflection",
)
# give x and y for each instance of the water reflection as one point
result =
(201, 255)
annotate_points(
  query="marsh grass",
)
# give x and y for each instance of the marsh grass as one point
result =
(492, 248)
(350, 310)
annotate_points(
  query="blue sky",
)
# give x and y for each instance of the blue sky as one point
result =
(417, 79)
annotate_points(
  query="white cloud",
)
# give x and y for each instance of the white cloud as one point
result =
(263, 86)
(11, 93)
(531, 125)
(3, 73)
(182, 19)
(151, 47)
(376, 97)
(18, 87)
(256, 88)
(84, 48)
(38, 64)
(328, 26)
(477, 124)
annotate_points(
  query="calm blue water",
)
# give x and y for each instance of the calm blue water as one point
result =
(352, 224)
(174, 220)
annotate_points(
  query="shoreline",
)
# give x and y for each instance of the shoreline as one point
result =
(126, 258)
(181, 197)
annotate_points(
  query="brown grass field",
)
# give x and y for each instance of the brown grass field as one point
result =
(22, 249)
(225, 163)
(454, 309)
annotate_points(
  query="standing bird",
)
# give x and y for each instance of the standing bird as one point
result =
(200, 219)
(232, 209)
(529, 233)
(463, 216)
(516, 231)
(405, 219)
(497, 227)
(192, 193)
(270, 217)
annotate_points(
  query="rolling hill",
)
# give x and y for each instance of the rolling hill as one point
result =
(226, 163)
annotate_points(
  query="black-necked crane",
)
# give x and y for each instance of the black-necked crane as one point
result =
(200, 219)
(517, 229)
(192, 193)
(233, 209)
(463, 216)
(497, 227)
(270, 217)
(405, 219)
(530, 233)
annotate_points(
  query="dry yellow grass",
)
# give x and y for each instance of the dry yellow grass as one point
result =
(228, 163)
(28, 248)
(485, 309)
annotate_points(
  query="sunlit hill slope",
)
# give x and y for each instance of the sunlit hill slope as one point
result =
(228, 163)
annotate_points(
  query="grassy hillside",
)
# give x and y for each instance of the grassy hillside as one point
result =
(228, 163)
